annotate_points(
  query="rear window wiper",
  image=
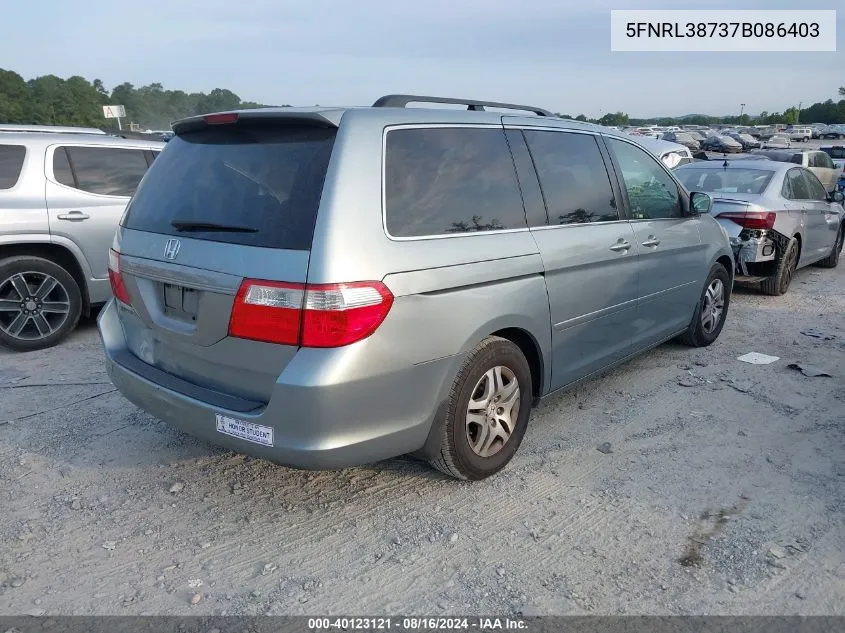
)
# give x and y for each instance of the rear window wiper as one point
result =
(193, 225)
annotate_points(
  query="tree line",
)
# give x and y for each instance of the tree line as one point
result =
(51, 100)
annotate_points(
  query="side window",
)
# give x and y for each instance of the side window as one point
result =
(11, 164)
(109, 171)
(786, 190)
(573, 177)
(440, 181)
(823, 160)
(798, 159)
(816, 188)
(652, 194)
(797, 185)
(61, 168)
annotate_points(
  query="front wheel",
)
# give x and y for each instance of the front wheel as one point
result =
(712, 309)
(40, 303)
(487, 411)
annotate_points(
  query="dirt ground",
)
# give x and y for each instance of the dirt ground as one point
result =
(723, 494)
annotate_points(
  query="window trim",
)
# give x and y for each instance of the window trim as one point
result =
(22, 172)
(51, 177)
(420, 126)
(683, 195)
(608, 166)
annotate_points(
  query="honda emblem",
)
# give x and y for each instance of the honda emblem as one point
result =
(171, 249)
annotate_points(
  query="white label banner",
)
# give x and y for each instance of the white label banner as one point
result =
(723, 30)
(114, 111)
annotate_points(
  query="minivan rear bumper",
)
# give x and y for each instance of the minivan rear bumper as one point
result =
(326, 419)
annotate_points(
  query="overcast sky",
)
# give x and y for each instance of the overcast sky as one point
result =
(550, 53)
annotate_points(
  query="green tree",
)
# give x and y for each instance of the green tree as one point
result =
(14, 97)
(581, 117)
(790, 116)
(614, 118)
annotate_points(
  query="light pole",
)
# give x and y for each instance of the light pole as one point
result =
(741, 110)
(798, 113)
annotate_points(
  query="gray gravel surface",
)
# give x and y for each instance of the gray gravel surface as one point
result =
(725, 496)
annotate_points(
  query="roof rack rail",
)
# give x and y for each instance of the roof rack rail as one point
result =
(49, 129)
(402, 101)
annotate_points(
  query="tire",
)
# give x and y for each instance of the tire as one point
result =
(54, 298)
(711, 310)
(805, 139)
(778, 284)
(832, 260)
(457, 456)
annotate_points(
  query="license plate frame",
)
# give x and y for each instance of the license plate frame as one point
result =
(243, 430)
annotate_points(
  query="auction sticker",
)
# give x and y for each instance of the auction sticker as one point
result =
(245, 430)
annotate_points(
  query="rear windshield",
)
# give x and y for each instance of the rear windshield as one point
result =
(263, 182)
(724, 180)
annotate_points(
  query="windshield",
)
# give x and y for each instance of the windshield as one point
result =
(752, 181)
(264, 181)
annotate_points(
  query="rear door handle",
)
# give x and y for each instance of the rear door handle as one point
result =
(73, 216)
(651, 241)
(620, 246)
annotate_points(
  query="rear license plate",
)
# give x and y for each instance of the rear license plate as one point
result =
(245, 430)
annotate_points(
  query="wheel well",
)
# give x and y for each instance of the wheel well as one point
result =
(57, 254)
(531, 350)
(797, 237)
(726, 261)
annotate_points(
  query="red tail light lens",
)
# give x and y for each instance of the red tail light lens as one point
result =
(221, 119)
(762, 220)
(268, 311)
(118, 287)
(316, 315)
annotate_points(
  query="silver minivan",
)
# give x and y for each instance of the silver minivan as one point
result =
(330, 287)
(62, 193)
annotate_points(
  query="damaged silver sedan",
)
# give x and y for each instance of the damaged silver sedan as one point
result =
(777, 215)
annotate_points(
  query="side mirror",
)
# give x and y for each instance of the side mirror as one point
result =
(700, 203)
(837, 196)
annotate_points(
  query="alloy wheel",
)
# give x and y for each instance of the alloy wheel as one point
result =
(33, 305)
(714, 306)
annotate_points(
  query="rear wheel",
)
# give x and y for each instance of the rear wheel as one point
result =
(778, 284)
(487, 412)
(832, 260)
(40, 303)
(709, 317)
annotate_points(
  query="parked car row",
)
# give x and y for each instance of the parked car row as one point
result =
(524, 253)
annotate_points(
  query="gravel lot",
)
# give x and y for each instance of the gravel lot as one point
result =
(722, 497)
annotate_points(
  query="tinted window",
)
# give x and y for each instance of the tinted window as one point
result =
(798, 159)
(724, 180)
(815, 187)
(448, 180)
(834, 152)
(821, 159)
(61, 168)
(573, 177)
(11, 163)
(797, 185)
(651, 191)
(109, 171)
(266, 180)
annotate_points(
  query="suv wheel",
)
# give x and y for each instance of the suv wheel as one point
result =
(40, 303)
(832, 260)
(709, 317)
(778, 284)
(487, 411)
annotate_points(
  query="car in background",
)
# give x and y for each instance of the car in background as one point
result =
(696, 135)
(763, 132)
(777, 141)
(818, 129)
(245, 315)
(799, 133)
(62, 194)
(817, 161)
(670, 154)
(837, 155)
(682, 138)
(746, 140)
(834, 131)
(778, 217)
(721, 143)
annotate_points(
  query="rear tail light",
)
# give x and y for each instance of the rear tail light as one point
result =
(118, 287)
(762, 220)
(312, 315)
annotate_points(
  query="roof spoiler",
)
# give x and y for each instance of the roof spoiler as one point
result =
(327, 117)
(402, 101)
